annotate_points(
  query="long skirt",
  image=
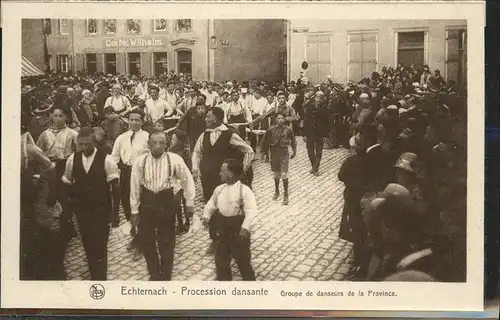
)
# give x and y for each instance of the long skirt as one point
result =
(279, 159)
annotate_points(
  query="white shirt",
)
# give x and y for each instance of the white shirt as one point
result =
(155, 109)
(171, 99)
(229, 198)
(210, 97)
(259, 105)
(110, 167)
(126, 150)
(120, 103)
(154, 175)
(235, 140)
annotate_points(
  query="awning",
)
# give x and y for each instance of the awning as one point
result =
(28, 69)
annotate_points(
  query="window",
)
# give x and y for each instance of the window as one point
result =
(160, 25)
(91, 59)
(91, 26)
(133, 26)
(62, 63)
(361, 54)
(47, 27)
(63, 26)
(319, 56)
(411, 48)
(110, 26)
(184, 61)
(183, 25)
(160, 63)
(134, 63)
(456, 55)
(110, 63)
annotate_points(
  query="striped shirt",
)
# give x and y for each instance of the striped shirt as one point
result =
(157, 174)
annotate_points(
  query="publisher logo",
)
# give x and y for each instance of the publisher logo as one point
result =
(97, 291)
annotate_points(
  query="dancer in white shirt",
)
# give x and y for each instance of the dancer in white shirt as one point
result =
(231, 211)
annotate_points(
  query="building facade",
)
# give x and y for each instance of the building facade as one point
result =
(207, 49)
(250, 49)
(130, 46)
(32, 46)
(351, 49)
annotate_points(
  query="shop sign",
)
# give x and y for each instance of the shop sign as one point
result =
(133, 42)
(300, 30)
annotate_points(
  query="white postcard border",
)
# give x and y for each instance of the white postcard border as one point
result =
(75, 294)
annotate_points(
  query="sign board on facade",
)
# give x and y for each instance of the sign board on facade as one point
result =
(300, 30)
(133, 42)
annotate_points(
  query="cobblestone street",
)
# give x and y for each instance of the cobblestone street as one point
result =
(295, 242)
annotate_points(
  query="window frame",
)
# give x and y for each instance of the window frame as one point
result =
(128, 61)
(60, 63)
(425, 30)
(362, 61)
(96, 27)
(161, 31)
(447, 60)
(154, 60)
(128, 30)
(106, 61)
(177, 26)
(307, 42)
(87, 61)
(178, 62)
(61, 29)
(104, 27)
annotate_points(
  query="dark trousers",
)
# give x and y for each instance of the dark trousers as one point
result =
(125, 172)
(94, 229)
(228, 245)
(314, 147)
(157, 225)
(66, 226)
(209, 181)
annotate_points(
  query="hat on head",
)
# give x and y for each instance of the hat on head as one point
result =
(407, 161)
(392, 107)
(319, 93)
(395, 190)
(84, 92)
(376, 202)
(364, 96)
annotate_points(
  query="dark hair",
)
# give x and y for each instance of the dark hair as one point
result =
(86, 132)
(109, 109)
(60, 108)
(137, 111)
(156, 132)
(235, 166)
(218, 113)
(369, 132)
(279, 114)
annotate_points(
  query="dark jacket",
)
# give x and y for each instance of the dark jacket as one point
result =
(316, 119)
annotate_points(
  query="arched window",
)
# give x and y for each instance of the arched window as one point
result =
(184, 61)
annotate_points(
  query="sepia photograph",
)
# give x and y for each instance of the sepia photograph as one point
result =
(205, 156)
(247, 150)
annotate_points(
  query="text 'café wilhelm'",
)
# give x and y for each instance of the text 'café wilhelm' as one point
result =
(130, 46)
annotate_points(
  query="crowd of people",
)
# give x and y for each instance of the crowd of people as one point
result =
(105, 141)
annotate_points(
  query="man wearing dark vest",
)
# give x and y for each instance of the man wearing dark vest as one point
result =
(153, 204)
(90, 173)
(212, 148)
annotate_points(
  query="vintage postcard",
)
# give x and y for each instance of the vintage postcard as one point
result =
(269, 155)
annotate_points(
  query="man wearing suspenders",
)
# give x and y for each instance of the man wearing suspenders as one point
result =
(153, 205)
(230, 212)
